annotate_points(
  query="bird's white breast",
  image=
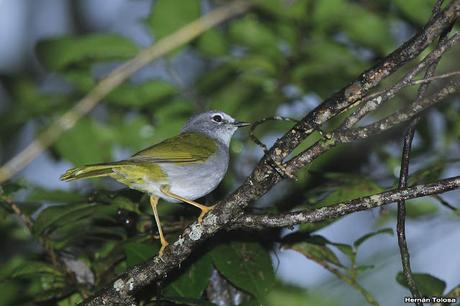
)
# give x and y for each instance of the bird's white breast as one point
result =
(193, 181)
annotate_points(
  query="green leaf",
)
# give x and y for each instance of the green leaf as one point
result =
(168, 16)
(316, 251)
(47, 288)
(420, 208)
(88, 142)
(364, 268)
(139, 252)
(10, 188)
(137, 95)
(251, 32)
(247, 265)
(362, 239)
(417, 10)
(85, 230)
(186, 301)
(39, 194)
(192, 281)
(80, 78)
(353, 187)
(429, 173)
(366, 34)
(213, 43)
(134, 133)
(426, 283)
(51, 217)
(72, 300)
(33, 268)
(291, 10)
(347, 250)
(60, 53)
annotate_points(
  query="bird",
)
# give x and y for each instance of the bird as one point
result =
(178, 169)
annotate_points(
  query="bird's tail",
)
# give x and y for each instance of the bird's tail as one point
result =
(90, 171)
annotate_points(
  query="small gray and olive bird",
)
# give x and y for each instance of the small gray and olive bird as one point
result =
(179, 169)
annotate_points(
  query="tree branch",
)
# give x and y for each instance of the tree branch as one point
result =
(114, 79)
(372, 101)
(401, 214)
(260, 222)
(349, 135)
(404, 176)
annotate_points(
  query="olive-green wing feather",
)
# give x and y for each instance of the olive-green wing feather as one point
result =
(183, 148)
(91, 171)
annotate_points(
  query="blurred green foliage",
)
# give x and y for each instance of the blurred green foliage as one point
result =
(270, 61)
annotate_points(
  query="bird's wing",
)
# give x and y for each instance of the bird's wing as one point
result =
(183, 148)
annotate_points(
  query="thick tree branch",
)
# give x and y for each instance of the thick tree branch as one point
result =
(264, 176)
(260, 222)
(114, 79)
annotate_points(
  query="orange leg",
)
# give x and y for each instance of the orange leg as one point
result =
(204, 209)
(154, 203)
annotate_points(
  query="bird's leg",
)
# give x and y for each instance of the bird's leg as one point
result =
(154, 203)
(204, 209)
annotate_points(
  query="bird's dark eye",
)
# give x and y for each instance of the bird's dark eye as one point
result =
(217, 118)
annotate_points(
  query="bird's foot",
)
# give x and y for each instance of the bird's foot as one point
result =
(204, 211)
(164, 244)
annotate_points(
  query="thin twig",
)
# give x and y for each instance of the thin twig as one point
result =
(114, 79)
(346, 136)
(374, 100)
(407, 113)
(262, 121)
(17, 211)
(434, 78)
(278, 166)
(404, 174)
(444, 202)
(401, 214)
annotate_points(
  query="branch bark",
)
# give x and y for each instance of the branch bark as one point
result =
(260, 222)
(401, 215)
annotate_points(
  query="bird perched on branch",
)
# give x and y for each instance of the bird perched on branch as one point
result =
(179, 169)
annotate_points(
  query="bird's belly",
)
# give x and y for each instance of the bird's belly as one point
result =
(194, 181)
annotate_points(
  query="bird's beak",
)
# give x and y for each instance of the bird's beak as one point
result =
(240, 123)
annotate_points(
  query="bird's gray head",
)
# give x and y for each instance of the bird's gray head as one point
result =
(215, 124)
